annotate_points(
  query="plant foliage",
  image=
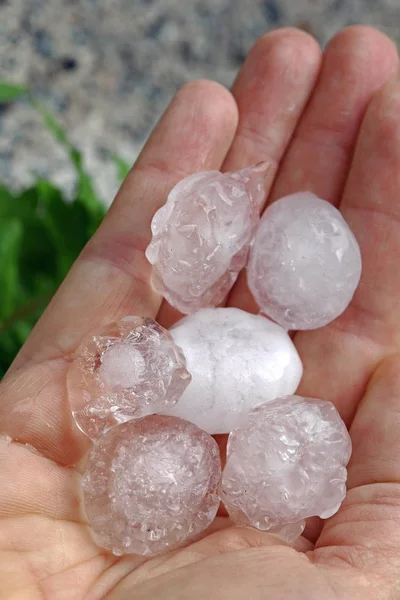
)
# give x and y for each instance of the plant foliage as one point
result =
(41, 234)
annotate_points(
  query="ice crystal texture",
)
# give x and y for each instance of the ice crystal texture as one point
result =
(150, 485)
(237, 360)
(287, 462)
(201, 236)
(129, 369)
(305, 262)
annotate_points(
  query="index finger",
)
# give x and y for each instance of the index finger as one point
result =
(110, 279)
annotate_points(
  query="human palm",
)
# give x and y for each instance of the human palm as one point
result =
(323, 126)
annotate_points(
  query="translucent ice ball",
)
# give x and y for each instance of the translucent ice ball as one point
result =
(201, 236)
(305, 263)
(285, 463)
(150, 485)
(128, 369)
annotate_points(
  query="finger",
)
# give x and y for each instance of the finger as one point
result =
(369, 330)
(111, 277)
(357, 62)
(375, 430)
(41, 488)
(271, 92)
(366, 530)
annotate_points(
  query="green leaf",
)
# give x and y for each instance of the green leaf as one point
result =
(7, 203)
(10, 242)
(38, 255)
(88, 198)
(67, 223)
(52, 124)
(9, 346)
(41, 234)
(24, 205)
(10, 92)
(86, 193)
(11, 342)
(123, 167)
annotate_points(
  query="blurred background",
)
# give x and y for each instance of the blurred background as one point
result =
(108, 68)
(100, 73)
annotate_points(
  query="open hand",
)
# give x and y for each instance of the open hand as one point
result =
(321, 122)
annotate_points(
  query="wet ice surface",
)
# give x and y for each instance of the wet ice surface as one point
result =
(150, 485)
(305, 262)
(201, 236)
(129, 369)
(285, 463)
(237, 360)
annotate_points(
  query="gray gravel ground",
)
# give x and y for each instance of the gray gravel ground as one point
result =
(108, 68)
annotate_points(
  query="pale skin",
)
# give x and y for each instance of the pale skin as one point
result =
(329, 123)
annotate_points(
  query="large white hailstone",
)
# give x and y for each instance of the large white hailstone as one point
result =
(237, 361)
(304, 264)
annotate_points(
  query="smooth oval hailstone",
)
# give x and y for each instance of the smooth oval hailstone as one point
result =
(201, 236)
(285, 463)
(237, 360)
(305, 263)
(129, 369)
(150, 485)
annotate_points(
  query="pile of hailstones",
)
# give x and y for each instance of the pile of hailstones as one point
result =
(150, 399)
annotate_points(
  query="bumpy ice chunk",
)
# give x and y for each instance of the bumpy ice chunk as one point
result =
(201, 236)
(150, 485)
(129, 369)
(305, 263)
(237, 361)
(287, 462)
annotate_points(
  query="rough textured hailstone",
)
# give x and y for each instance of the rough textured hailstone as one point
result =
(237, 361)
(150, 485)
(305, 262)
(285, 463)
(129, 369)
(201, 236)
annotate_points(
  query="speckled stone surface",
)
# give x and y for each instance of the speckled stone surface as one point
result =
(108, 68)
